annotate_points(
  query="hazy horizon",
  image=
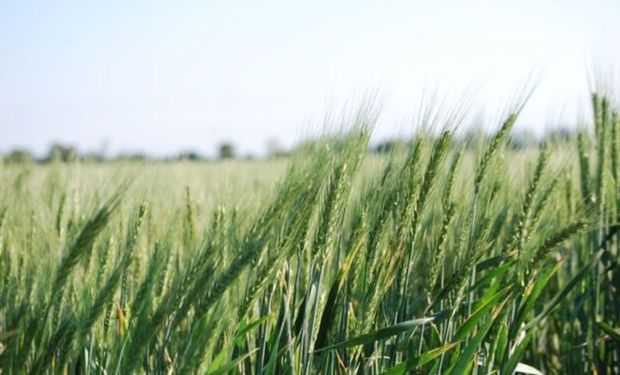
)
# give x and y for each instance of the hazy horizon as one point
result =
(161, 78)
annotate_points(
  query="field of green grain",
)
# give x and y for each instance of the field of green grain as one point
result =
(439, 258)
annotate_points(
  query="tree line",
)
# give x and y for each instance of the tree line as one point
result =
(227, 150)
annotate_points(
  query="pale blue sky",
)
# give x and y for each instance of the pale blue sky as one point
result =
(164, 76)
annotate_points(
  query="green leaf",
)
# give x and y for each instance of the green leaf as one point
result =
(510, 366)
(220, 359)
(465, 358)
(485, 306)
(245, 327)
(226, 368)
(416, 362)
(380, 334)
(502, 342)
(495, 272)
(270, 367)
(560, 296)
(493, 262)
(533, 293)
(613, 333)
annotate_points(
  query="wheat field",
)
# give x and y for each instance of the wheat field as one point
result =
(441, 257)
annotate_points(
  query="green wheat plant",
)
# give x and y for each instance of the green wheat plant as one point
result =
(443, 256)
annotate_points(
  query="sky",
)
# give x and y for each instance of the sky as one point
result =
(167, 76)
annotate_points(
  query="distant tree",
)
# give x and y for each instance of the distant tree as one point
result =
(19, 156)
(226, 151)
(388, 146)
(62, 153)
(521, 140)
(190, 155)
